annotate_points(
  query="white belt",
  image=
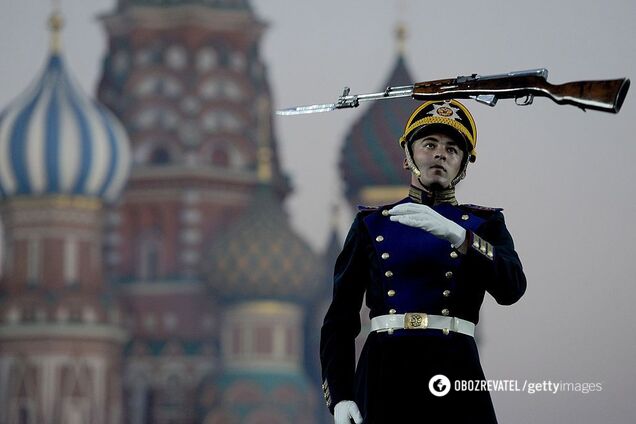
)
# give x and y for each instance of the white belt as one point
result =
(421, 321)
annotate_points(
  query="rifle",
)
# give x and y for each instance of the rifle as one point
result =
(523, 86)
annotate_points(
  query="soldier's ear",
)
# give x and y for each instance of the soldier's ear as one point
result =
(405, 164)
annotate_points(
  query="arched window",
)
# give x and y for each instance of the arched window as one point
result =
(21, 391)
(146, 118)
(172, 398)
(171, 87)
(229, 121)
(216, 87)
(225, 154)
(232, 90)
(139, 397)
(222, 121)
(207, 59)
(71, 261)
(237, 61)
(34, 257)
(76, 391)
(147, 86)
(176, 57)
(149, 256)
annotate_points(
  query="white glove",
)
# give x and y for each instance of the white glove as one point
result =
(422, 216)
(344, 410)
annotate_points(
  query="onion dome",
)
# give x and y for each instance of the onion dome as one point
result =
(56, 140)
(260, 256)
(371, 156)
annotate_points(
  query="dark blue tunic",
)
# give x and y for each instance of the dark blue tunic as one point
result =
(404, 269)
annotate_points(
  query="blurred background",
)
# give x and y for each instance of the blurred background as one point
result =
(167, 241)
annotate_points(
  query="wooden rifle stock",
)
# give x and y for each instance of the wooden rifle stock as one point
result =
(605, 95)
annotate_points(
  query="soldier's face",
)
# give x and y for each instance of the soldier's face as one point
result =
(439, 158)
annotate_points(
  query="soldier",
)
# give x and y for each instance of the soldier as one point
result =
(425, 264)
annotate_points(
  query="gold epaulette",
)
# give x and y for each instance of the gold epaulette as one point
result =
(479, 208)
(362, 208)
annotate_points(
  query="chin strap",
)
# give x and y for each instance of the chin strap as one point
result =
(460, 176)
(410, 163)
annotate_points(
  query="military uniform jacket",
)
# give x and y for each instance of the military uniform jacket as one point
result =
(404, 269)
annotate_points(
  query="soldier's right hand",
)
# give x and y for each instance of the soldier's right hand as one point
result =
(344, 411)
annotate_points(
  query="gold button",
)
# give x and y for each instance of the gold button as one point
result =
(389, 274)
(449, 274)
(390, 331)
(445, 312)
(446, 293)
(454, 255)
(483, 249)
(392, 311)
(385, 212)
(490, 255)
(445, 331)
(385, 255)
(464, 217)
(379, 239)
(391, 293)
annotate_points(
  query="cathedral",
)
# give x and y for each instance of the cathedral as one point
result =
(150, 273)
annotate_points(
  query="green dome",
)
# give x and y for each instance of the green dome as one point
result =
(260, 256)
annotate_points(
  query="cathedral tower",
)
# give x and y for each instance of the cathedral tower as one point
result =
(371, 158)
(186, 79)
(62, 157)
(268, 278)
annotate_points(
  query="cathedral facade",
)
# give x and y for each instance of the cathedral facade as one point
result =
(150, 272)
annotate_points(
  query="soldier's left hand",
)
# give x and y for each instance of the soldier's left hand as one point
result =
(422, 216)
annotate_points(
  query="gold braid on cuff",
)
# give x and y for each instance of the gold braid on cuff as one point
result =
(483, 247)
(326, 394)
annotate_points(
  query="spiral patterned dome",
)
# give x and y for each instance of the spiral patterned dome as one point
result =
(56, 140)
(260, 256)
(371, 155)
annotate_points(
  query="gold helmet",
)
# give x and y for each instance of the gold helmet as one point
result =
(444, 114)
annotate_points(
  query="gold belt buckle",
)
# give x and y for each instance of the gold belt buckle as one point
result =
(415, 321)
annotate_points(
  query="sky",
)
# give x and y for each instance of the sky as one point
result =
(564, 177)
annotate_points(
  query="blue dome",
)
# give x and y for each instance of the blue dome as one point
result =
(56, 140)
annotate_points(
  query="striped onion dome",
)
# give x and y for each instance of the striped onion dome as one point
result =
(56, 140)
(371, 154)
